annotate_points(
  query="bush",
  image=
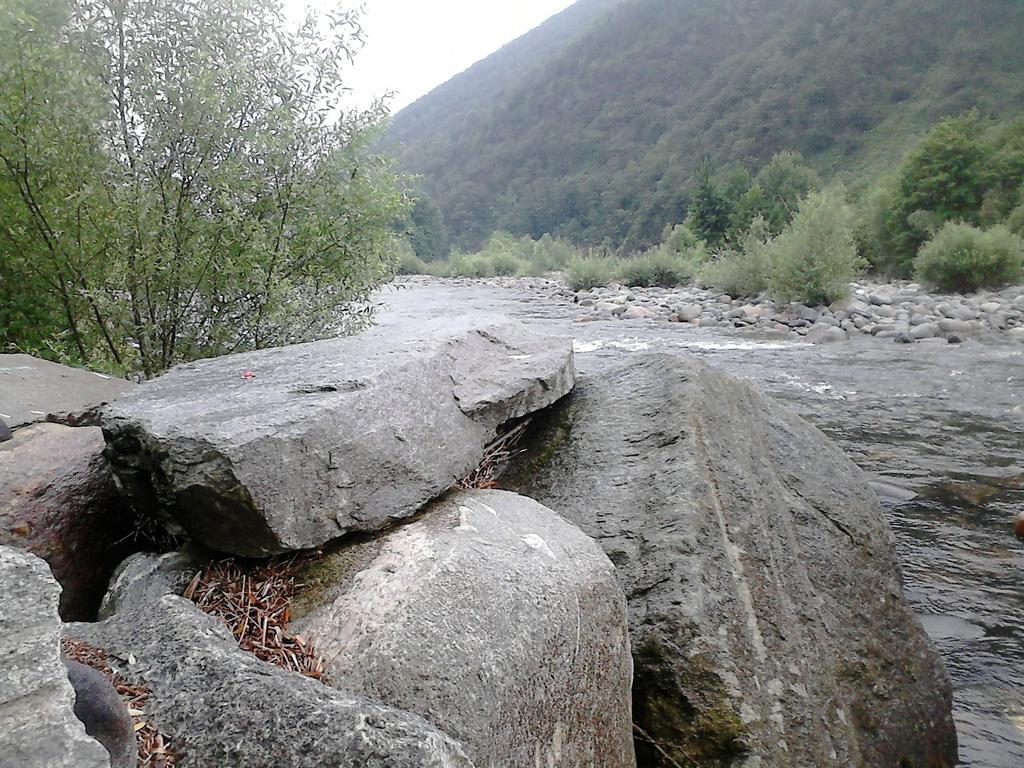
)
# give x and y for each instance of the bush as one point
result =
(743, 272)
(584, 273)
(963, 258)
(659, 267)
(504, 264)
(815, 257)
(409, 263)
(466, 265)
(1015, 221)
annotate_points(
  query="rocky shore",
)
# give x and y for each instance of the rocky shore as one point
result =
(454, 549)
(899, 311)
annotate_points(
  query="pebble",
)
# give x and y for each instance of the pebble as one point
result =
(886, 310)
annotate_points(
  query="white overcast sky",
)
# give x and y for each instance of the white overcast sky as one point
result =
(413, 46)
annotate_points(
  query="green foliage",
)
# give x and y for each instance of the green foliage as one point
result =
(711, 211)
(775, 193)
(815, 258)
(596, 124)
(411, 264)
(584, 273)
(1015, 221)
(743, 271)
(944, 179)
(963, 258)
(661, 266)
(173, 185)
(427, 232)
(469, 265)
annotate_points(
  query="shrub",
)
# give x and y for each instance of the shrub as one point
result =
(504, 264)
(469, 265)
(659, 267)
(584, 273)
(742, 272)
(1015, 221)
(815, 257)
(963, 258)
(409, 263)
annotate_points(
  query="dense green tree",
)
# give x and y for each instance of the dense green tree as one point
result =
(427, 232)
(178, 179)
(711, 211)
(944, 179)
(595, 124)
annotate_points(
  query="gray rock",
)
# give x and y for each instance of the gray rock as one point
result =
(637, 313)
(925, 331)
(329, 437)
(104, 714)
(880, 299)
(826, 334)
(32, 390)
(531, 663)
(959, 327)
(802, 312)
(222, 706)
(689, 312)
(60, 503)
(5, 432)
(38, 727)
(991, 306)
(707, 322)
(763, 586)
(145, 578)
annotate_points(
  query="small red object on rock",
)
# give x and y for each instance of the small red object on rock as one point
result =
(248, 375)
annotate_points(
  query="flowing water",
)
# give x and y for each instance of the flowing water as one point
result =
(944, 422)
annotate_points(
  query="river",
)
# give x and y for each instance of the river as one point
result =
(944, 422)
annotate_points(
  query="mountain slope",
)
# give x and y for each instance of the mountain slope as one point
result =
(594, 125)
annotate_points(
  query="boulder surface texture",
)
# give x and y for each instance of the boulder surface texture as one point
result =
(38, 727)
(494, 619)
(767, 618)
(284, 449)
(58, 500)
(104, 713)
(221, 706)
(34, 390)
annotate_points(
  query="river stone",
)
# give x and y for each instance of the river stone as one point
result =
(826, 334)
(33, 390)
(766, 614)
(222, 706)
(104, 714)
(58, 500)
(529, 663)
(5, 432)
(38, 727)
(925, 331)
(285, 449)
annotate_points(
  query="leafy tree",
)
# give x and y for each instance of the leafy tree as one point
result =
(180, 181)
(944, 179)
(710, 211)
(427, 233)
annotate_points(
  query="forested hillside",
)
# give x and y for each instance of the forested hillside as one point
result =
(596, 125)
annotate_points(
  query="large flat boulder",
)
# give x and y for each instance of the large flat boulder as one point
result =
(33, 390)
(492, 617)
(221, 706)
(58, 500)
(285, 449)
(767, 619)
(38, 727)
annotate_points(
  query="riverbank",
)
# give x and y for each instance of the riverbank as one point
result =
(900, 311)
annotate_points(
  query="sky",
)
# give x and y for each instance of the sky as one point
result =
(413, 46)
